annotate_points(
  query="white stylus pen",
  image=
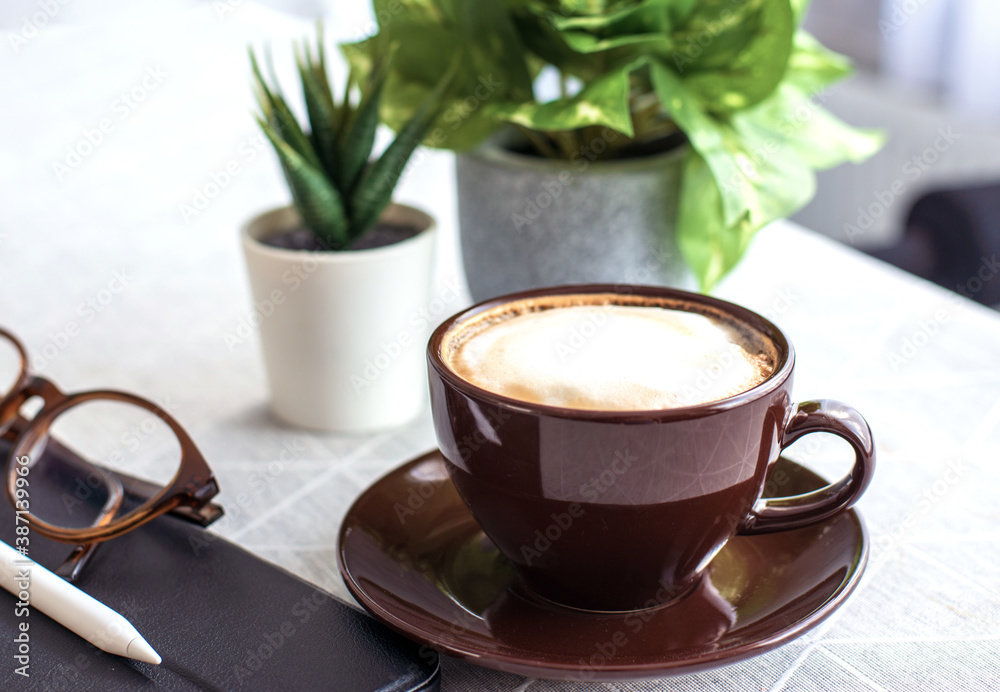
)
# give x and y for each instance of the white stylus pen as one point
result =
(72, 608)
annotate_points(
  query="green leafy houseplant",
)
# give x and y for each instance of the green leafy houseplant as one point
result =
(338, 192)
(737, 77)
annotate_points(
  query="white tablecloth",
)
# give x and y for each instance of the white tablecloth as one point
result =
(121, 224)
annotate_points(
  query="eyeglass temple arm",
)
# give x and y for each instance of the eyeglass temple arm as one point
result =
(73, 565)
(203, 515)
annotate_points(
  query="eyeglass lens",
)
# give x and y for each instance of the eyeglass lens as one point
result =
(115, 435)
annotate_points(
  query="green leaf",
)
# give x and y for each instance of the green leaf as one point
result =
(429, 33)
(316, 199)
(752, 167)
(604, 102)
(541, 39)
(588, 43)
(279, 116)
(321, 75)
(815, 135)
(792, 116)
(321, 110)
(678, 10)
(709, 245)
(359, 137)
(813, 67)
(647, 16)
(487, 34)
(777, 182)
(374, 190)
(706, 134)
(589, 7)
(546, 45)
(799, 7)
(734, 58)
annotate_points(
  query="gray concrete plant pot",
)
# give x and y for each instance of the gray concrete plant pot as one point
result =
(528, 222)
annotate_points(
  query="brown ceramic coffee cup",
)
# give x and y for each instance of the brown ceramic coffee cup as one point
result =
(613, 510)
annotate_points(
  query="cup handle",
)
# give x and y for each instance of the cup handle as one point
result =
(781, 513)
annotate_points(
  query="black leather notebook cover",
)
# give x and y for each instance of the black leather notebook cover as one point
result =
(220, 617)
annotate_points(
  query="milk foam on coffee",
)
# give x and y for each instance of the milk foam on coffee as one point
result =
(609, 357)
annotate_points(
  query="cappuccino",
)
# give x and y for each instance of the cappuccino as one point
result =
(608, 353)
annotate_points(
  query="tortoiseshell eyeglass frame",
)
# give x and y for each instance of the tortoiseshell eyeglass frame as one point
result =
(187, 495)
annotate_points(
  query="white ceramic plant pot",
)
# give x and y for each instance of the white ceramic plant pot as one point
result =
(342, 332)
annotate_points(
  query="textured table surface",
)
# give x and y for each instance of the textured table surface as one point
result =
(922, 365)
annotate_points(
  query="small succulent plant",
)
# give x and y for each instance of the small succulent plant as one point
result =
(338, 192)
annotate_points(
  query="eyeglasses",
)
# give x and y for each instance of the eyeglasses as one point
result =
(66, 497)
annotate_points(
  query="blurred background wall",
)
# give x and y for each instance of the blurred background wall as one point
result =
(927, 73)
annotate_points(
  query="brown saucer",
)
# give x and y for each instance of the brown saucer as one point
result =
(413, 556)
